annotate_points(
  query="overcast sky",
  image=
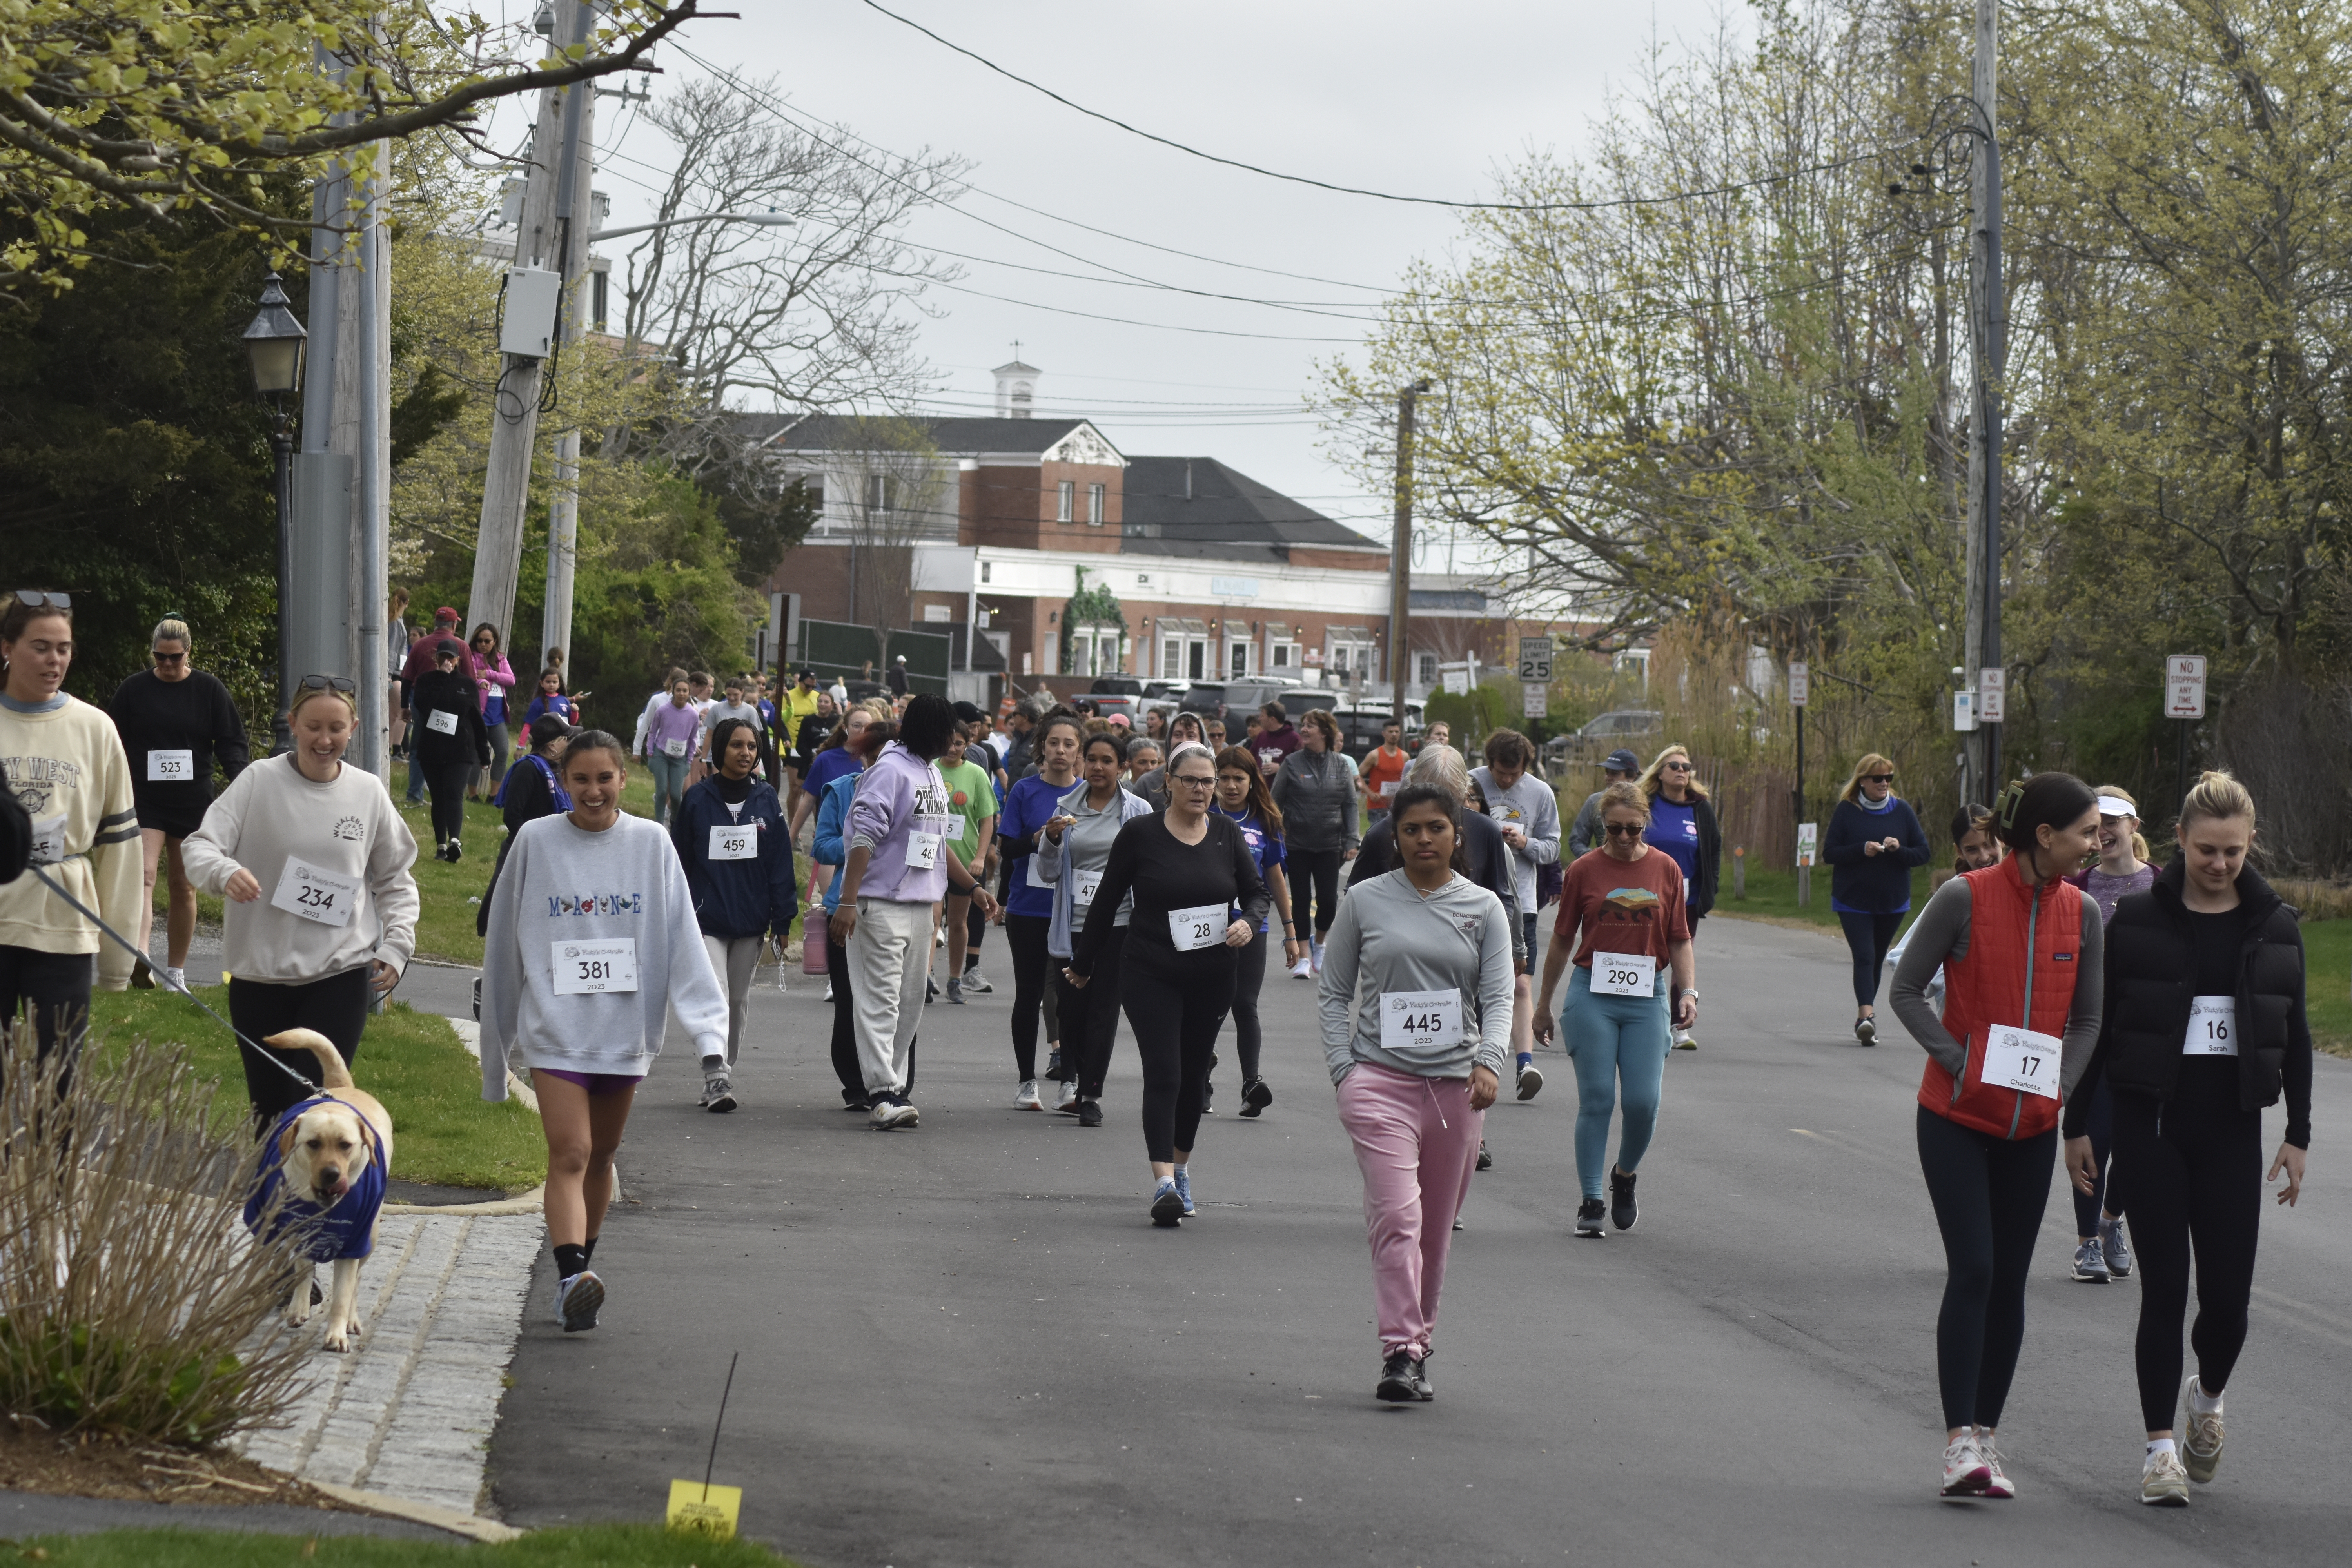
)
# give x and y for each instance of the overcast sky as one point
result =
(1418, 99)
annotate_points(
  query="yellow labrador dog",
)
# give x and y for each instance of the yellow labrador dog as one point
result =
(325, 1153)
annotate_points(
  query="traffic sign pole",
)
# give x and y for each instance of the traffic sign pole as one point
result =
(1800, 694)
(2184, 700)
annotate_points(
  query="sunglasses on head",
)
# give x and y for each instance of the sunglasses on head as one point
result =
(326, 683)
(1623, 829)
(34, 599)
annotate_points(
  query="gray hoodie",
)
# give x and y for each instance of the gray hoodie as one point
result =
(1391, 937)
(1084, 850)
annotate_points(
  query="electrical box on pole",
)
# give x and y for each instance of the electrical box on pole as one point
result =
(527, 320)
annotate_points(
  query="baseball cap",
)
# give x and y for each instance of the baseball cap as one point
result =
(1120, 720)
(969, 713)
(450, 648)
(1622, 760)
(446, 614)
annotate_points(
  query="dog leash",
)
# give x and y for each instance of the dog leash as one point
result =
(183, 990)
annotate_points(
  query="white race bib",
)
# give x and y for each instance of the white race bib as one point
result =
(2212, 1026)
(958, 826)
(49, 840)
(1420, 1020)
(586, 968)
(1625, 974)
(1202, 925)
(673, 748)
(1036, 877)
(2022, 1059)
(441, 721)
(922, 851)
(741, 842)
(171, 767)
(1081, 889)
(311, 893)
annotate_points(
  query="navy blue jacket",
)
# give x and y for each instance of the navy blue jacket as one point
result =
(1880, 883)
(736, 898)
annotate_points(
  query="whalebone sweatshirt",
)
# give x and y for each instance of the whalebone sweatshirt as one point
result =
(1390, 936)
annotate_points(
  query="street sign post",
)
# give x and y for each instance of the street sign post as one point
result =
(1801, 691)
(1535, 660)
(1992, 695)
(1535, 699)
(1800, 685)
(2184, 700)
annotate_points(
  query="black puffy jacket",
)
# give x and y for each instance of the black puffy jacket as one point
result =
(2151, 976)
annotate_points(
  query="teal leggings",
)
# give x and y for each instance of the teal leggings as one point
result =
(1614, 1041)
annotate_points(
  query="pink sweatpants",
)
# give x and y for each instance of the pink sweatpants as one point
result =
(1417, 1143)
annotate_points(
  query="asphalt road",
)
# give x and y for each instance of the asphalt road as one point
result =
(966, 1345)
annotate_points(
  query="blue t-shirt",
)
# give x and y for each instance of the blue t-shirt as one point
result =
(827, 767)
(1265, 848)
(1028, 806)
(346, 1229)
(1674, 829)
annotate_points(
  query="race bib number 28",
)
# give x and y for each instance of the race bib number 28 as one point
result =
(1190, 929)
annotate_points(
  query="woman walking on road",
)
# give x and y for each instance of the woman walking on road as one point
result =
(2205, 1028)
(1422, 957)
(1874, 845)
(2020, 948)
(451, 744)
(175, 720)
(2101, 1251)
(1682, 823)
(1620, 914)
(729, 834)
(1029, 898)
(593, 946)
(1072, 854)
(1187, 869)
(671, 732)
(1315, 785)
(317, 866)
(829, 851)
(1524, 806)
(495, 680)
(1242, 799)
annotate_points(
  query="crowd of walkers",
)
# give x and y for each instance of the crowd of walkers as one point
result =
(2068, 995)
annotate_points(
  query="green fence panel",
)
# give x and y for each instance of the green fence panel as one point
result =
(837, 647)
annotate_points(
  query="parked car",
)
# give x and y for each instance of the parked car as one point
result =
(1118, 685)
(1359, 727)
(1637, 729)
(1235, 701)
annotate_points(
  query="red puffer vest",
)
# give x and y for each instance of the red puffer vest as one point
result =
(2024, 951)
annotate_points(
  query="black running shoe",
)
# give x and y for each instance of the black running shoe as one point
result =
(1255, 1097)
(1486, 1160)
(457, 852)
(1624, 1212)
(1423, 1388)
(1398, 1384)
(1588, 1215)
(1208, 1098)
(1054, 1072)
(1090, 1113)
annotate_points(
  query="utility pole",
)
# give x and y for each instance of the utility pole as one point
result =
(1987, 330)
(545, 238)
(1400, 554)
(575, 171)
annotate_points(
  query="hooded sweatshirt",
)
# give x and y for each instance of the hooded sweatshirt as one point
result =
(901, 796)
(565, 887)
(1390, 937)
(736, 897)
(1083, 853)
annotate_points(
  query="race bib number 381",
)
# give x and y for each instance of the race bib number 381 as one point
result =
(588, 968)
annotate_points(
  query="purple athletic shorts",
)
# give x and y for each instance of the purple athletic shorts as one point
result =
(596, 1083)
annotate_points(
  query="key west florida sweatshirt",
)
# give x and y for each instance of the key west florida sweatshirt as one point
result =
(65, 765)
(609, 910)
(1389, 941)
(288, 830)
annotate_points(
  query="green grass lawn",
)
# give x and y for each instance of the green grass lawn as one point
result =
(599, 1546)
(445, 1133)
(1774, 893)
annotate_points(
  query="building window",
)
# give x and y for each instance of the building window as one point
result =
(1282, 656)
(1196, 660)
(1067, 491)
(877, 493)
(985, 567)
(1171, 659)
(1095, 505)
(1240, 666)
(1427, 663)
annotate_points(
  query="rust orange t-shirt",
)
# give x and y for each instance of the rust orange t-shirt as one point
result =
(1612, 907)
(1384, 771)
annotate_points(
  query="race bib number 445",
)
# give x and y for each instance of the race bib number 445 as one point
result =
(1416, 1021)
(588, 968)
(2022, 1059)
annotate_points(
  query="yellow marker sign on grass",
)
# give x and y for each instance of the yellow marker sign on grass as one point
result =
(698, 1508)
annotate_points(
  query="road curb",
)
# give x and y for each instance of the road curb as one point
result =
(472, 1526)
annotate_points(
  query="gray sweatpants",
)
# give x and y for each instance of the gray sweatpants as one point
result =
(889, 960)
(733, 958)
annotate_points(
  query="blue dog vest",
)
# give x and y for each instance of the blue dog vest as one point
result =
(346, 1229)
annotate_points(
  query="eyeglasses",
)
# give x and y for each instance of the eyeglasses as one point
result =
(1878, 778)
(1674, 767)
(326, 683)
(1623, 829)
(1193, 781)
(34, 599)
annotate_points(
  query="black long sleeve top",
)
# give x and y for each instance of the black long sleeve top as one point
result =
(1166, 874)
(194, 714)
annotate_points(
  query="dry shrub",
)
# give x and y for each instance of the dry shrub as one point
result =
(132, 1301)
(2315, 901)
(2289, 741)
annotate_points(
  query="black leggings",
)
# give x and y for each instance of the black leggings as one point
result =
(975, 931)
(1868, 937)
(1090, 1017)
(1249, 978)
(1176, 1003)
(845, 1022)
(1314, 885)
(52, 986)
(448, 781)
(2197, 1179)
(336, 1007)
(1026, 936)
(2107, 1188)
(1989, 1194)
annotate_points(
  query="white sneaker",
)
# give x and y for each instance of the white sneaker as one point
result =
(1069, 1102)
(828, 990)
(177, 979)
(1315, 955)
(2163, 1483)
(1966, 1474)
(1303, 969)
(1999, 1489)
(894, 1110)
(2200, 1445)
(1027, 1098)
(578, 1300)
(975, 982)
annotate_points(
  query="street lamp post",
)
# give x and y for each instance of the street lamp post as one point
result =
(273, 346)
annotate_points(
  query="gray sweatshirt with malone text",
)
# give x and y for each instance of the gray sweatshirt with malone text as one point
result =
(1390, 937)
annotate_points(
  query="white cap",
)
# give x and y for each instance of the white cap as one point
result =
(2117, 806)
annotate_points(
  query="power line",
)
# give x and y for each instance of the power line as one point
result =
(1358, 189)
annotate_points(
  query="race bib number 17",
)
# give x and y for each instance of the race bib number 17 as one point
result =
(2022, 1059)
